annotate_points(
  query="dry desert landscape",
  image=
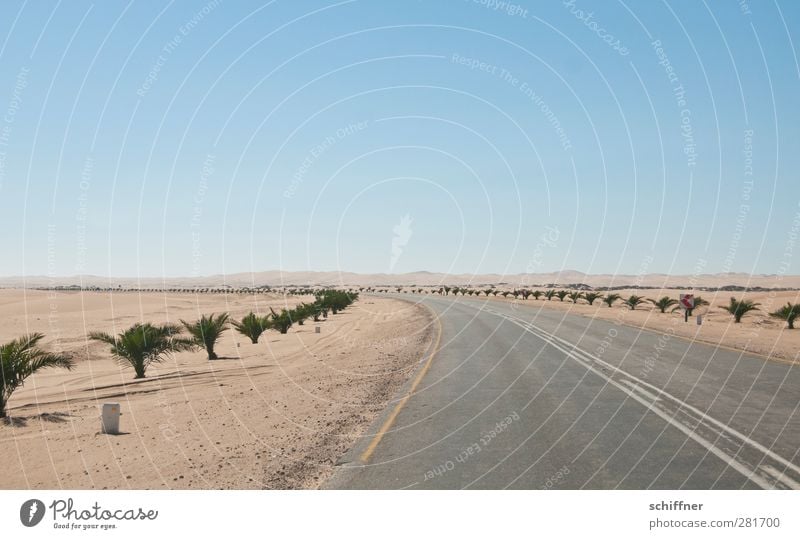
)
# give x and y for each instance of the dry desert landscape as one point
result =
(277, 414)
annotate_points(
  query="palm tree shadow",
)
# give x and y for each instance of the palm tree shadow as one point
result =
(14, 421)
(55, 417)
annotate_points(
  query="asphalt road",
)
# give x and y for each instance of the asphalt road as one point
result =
(517, 396)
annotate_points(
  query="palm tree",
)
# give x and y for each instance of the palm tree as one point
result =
(633, 301)
(575, 296)
(664, 303)
(536, 294)
(207, 331)
(282, 322)
(301, 312)
(22, 357)
(561, 294)
(143, 344)
(592, 296)
(739, 308)
(252, 326)
(609, 299)
(549, 294)
(789, 313)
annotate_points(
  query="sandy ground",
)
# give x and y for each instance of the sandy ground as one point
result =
(757, 333)
(277, 414)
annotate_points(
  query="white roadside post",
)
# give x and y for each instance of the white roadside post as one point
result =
(110, 418)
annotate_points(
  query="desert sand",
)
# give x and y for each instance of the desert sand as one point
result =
(277, 414)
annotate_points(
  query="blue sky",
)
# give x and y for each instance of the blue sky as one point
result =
(194, 138)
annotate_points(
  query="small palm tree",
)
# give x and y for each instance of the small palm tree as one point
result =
(207, 331)
(633, 301)
(549, 294)
(536, 294)
(664, 303)
(575, 296)
(590, 297)
(789, 313)
(301, 313)
(144, 344)
(505, 294)
(609, 299)
(21, 358)
(738, 308)
(561, 294)
(252, 326)
(282, 322)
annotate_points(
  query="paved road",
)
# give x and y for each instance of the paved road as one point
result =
(529, 398)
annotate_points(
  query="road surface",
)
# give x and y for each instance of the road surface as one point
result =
(522, 397)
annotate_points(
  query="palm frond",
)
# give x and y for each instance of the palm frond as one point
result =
(21, 358)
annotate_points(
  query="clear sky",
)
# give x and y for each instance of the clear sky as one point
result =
(194, 138)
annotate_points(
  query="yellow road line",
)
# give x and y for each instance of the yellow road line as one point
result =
(390, 420)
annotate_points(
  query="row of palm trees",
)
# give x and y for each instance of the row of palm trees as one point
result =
(143, 344)
(291, 290)
(737, 308)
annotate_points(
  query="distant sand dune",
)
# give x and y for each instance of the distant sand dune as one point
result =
(420, 278)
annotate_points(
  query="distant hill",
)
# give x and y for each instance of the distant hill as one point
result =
(278, 278)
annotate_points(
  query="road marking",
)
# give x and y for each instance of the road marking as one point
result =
(780, 476)
(748, 472)
(660, 392)
(635, 387)
(702, 415)
(390, 420)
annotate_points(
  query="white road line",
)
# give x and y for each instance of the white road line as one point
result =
(746, 471)
(660, 392)
(644, 392)
(780, 476)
